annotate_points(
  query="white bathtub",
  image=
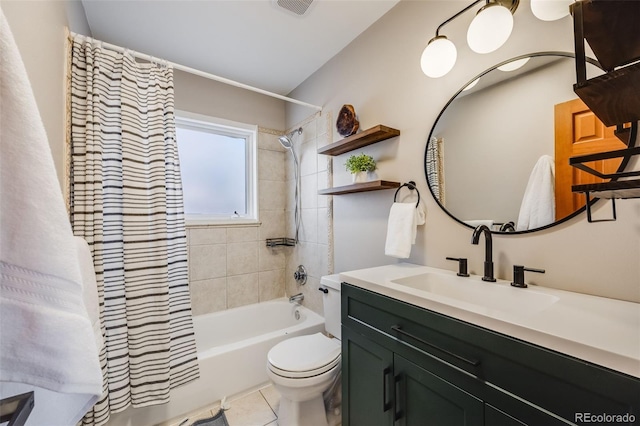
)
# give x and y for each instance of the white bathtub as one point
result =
(232, 353)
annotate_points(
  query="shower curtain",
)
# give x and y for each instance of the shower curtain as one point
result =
(435, 168)
(125, 199)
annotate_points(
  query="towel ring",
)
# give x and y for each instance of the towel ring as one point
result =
(412, 186)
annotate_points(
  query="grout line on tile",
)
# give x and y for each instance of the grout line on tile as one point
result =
(265, 400)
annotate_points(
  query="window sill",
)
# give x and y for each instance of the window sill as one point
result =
(227, 223)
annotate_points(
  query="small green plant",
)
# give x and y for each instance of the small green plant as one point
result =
(360, 163)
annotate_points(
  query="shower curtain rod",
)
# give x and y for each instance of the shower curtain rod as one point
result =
(199, 73)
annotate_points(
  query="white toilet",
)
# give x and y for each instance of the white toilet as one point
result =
(302, 368)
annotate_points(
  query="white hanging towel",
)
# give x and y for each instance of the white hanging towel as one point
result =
(89, 288)
(46, 338)
(402, 229)
(538, 206)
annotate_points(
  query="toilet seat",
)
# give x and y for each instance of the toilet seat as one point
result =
(304, 356)
(305, 374)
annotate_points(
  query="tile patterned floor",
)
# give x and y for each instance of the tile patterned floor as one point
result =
(258, 408)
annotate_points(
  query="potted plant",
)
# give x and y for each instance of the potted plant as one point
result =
(359, 166)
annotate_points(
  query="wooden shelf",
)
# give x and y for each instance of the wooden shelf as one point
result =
(359, 140)
(375, 185)
(613, 97)
(611, 29)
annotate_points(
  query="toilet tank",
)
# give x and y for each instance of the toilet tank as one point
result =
(331, 304)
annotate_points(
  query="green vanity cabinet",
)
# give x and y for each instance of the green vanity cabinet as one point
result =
(405, 365)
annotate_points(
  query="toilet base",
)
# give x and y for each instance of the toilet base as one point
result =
(302, 413)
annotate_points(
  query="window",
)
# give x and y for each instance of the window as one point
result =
(218, 168)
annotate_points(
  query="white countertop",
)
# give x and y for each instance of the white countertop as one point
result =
(595, 329)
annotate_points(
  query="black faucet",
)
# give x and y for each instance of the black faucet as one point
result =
(488, 254)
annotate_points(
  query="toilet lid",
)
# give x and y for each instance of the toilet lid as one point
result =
(305, 354)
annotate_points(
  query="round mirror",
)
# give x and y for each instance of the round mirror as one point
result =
(498, 153)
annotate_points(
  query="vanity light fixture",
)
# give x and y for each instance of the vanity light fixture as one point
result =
(550, 10)
(489, 30)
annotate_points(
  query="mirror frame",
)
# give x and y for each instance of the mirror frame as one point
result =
(623, 164)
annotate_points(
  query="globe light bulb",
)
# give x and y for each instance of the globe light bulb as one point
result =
(514, 65)
(490, 28)
(438, 57)
(550, 10)
(471, 85)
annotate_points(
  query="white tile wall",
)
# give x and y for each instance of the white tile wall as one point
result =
(242, 258)
(315, 248)
(271, 166)
(242, 234)
(208, 236)
(309, 190)
(207, 261)
(242, 290)
(271, 284)
(273, 224)
(208, 295)
(271, 194)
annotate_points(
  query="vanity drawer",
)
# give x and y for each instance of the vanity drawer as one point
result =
(495, 366)
(411, 328)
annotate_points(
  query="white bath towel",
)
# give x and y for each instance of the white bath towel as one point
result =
(90, 288)
(538, 206)
(46, 338)
(402, 229)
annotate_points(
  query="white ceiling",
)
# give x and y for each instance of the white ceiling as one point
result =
(254, 42)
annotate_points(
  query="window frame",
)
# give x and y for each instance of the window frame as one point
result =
(249, 133)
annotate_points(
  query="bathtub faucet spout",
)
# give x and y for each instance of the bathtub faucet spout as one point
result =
(296, 298)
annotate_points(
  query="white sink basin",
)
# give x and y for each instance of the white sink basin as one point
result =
(483, 295)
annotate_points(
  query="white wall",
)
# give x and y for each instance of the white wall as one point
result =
(204, 96)
(379, 74)
(39, 30)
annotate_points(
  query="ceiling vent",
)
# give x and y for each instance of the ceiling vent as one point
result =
(299, 7)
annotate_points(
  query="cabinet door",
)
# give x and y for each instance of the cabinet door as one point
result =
(367, 381)
(424, 399)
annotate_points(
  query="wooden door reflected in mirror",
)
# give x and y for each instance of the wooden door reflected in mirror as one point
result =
(578, 132)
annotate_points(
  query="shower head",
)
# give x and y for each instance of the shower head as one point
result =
(286, 141)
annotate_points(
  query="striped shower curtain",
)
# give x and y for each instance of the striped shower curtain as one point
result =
(125, 199)
(435, 168)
